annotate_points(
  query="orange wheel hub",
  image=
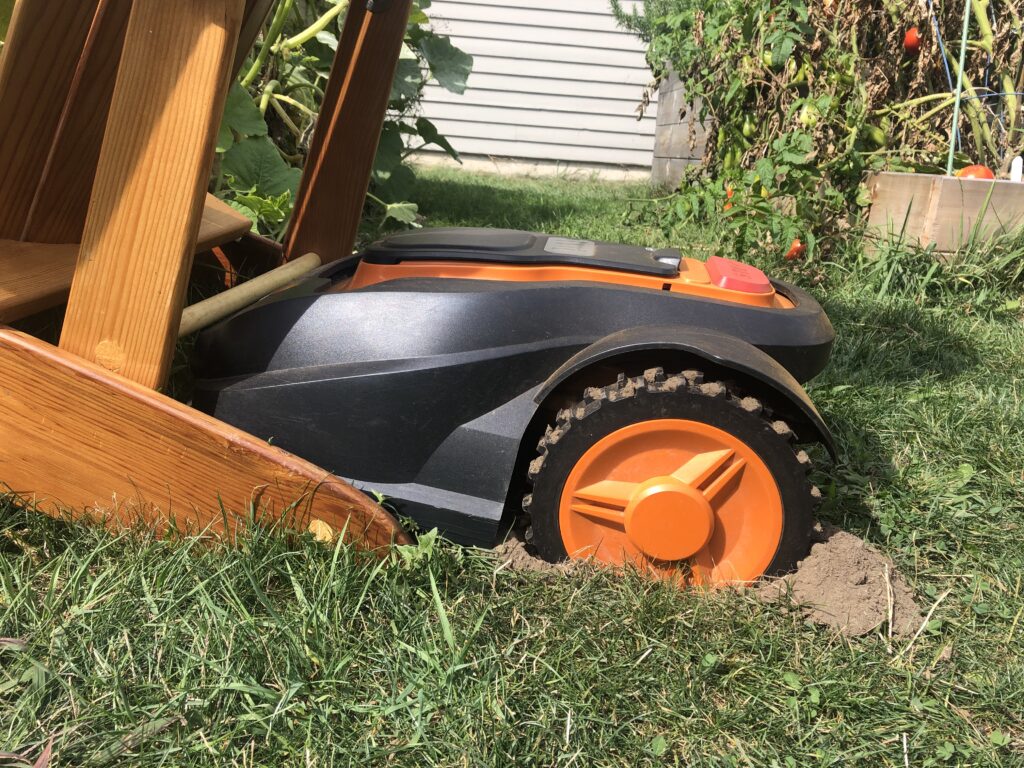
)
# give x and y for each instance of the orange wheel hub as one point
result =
(671, 492)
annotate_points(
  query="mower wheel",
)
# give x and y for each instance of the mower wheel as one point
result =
(674, 475)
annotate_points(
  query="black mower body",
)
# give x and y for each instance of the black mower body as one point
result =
(433, 391)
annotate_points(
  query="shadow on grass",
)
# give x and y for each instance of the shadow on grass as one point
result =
(467, 200)
(879, 342)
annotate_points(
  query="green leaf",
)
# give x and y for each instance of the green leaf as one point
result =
(408, 81)
(6, 9)
(389, 150)
(273, 210)
(241, 115)
(328, 38)
(449, 65)
(429, 133)
(999, 739)
(246, 211)
(255, 164)
(781, 53)
(658, 746)
(403, 212)
(395, 185)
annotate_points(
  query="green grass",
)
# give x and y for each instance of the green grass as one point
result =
(282, 652)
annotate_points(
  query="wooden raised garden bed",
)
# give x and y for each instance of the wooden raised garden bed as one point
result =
(942, 211)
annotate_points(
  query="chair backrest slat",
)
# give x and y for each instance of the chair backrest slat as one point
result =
(41, 57)
(61, 201)
(57, 77)
(337, 175)
(147, 201)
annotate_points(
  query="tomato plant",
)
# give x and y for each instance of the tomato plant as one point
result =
(802, 97)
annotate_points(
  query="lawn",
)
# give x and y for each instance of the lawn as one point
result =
(130, 651)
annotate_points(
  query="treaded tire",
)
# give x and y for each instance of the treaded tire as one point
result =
(654, 395)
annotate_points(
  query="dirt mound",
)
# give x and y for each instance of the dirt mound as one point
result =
(849, 585)
(514, 556)
(843, 583)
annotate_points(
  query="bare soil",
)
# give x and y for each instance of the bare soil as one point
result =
(514, 556)
(844, 583)
(849, 585)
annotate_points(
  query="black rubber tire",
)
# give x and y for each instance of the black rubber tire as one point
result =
(654, 395)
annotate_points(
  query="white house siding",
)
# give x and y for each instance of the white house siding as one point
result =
(552, 81)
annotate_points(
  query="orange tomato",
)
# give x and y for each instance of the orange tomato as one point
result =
(976, 172)
(796, 250)
(912, 41)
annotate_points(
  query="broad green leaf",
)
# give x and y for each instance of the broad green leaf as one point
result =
(429, 133)
(408, 81)
(272, 210)
(246, 211)
(396, 184)
(255, 164)
(242, 114)
(241, 117)
(404, 212)
(658, 746)
(449, 65)
(389, 151)
(328, 38)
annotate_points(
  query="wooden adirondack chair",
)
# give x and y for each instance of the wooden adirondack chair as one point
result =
(109, 111)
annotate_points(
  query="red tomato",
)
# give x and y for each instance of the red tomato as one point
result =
(728, 196)
(976, 172)
(796, 250)
(912, 41)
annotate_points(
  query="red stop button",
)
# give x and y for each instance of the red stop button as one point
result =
(737, 276)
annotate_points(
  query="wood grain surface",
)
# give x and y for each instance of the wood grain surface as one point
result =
(75, 437)
(337, 174)
(147, 201)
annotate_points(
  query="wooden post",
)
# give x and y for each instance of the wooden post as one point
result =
(333, 191)
(147, 202)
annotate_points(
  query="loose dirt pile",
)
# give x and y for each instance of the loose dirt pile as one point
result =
(514, 556)
(849, 585)
(843, 583)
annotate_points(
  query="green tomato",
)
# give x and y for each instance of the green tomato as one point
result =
(809, 116)
(874, 136)
(749, 127)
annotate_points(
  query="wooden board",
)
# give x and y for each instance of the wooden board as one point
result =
(147, 201)
(33, 277)
(36, 276)
(220, 224)
(40, 60)
(61, 201)
(139, 454)
(947, 212)
(337, 175)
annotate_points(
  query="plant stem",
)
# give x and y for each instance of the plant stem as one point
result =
(315, 29)
(295, 103)
(276, 28)
(268, 93)
(959, 87)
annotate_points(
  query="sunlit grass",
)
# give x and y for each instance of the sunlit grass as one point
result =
(282, 652)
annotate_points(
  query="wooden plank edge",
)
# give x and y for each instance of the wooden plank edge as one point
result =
(282, 485)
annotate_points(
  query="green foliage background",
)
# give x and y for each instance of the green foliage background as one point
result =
(804, 96)
(271, 113)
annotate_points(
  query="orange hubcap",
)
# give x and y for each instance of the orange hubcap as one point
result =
(669, 492)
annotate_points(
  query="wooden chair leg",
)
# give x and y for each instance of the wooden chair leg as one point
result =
(333, 191)
(129, 287)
